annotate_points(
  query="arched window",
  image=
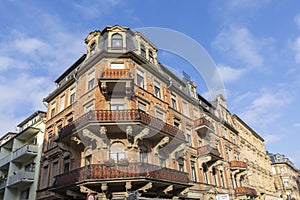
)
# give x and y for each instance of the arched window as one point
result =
(117, 151)
(116, 41)
(93, 48)
(143, 154)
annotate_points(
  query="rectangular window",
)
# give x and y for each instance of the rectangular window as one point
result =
(181, 164)
(30, 167)
(189, 137)
(157, 89)
(117, 104)
(160, 115)
(52, 112)
(236, 156)
(88, 160)
(117, 66)
(222, 178)
(55, 170)
(185, 109)
(91, 80)
(174, 102)
(193, 170)
(196, 113)
(66, 164)
(89, 107)
(62, 103)
(200, 143)
(228, 153)
(140, 79)
(150, 56)
(49, 142)
(177, 123)
(72, 95)
(142, 106)
(45, 176)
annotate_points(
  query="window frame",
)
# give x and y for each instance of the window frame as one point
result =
(115, 38)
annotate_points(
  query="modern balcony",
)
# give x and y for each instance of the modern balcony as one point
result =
(246, 191)
(122, 116)
(3, 184)
(203, 126)
(100, 172)
(234, 164)
(116, 82)
(208, 154)
(5, 161)
(20, 179)
(25, 153)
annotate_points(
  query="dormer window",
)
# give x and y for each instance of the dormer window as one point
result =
(143, 51)
(117, 41)
(150, 56)
(93, 48)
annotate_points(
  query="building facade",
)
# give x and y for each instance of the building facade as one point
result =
(120, 124)
(286, 176)
(20, 158)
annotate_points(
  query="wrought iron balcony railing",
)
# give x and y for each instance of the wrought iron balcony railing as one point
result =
(132, 170)
(132, 115)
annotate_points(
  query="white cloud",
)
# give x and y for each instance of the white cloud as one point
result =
(240, 45)
(271, 138)
(297, 125)
(297, 20)
(229, 74)
(29, 45)
(24, 93)
(265, 107)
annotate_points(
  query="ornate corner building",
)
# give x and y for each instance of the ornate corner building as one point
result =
(122, 125)
(20, 158)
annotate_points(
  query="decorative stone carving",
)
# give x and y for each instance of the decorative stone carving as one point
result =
(146, 187)
(163, 141)
(168, 189)
(139, 136)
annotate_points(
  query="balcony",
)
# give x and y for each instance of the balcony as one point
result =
(208, 154)
(25, 153)
(245, 191)
(122, 116)
(20, 179)
(203, 126)
(234, 164)
(101, 172)
(116, 82)
(4, 162)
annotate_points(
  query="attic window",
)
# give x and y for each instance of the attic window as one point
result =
(93, 48)
(143, 51)
(117, 41)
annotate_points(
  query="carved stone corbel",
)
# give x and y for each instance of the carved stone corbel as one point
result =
(128, 185)
(129, 135)
(204, 159)
(140, 136)
(168, 189)
(146, 187)
(163, 141)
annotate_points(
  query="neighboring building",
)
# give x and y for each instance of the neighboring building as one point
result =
(286, 176)
(120, 123)
(258, 174)
(20, 158)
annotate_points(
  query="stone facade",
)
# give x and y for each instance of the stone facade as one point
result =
(120, 124)
(286, 177)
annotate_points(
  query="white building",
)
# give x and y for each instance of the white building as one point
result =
(20, 158)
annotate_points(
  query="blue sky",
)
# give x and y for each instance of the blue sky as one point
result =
(255, 45)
